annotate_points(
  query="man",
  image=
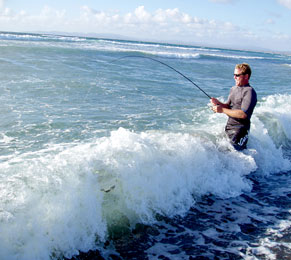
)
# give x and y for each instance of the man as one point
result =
(239, 107)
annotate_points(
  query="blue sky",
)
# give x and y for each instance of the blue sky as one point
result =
(223, 23)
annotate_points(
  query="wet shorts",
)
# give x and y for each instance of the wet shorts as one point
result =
(238, 137)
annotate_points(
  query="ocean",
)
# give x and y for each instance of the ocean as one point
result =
(104, 157)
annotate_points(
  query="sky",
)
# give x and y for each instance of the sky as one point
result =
(243, 24)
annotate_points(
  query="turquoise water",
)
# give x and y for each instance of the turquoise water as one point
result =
(73, 123)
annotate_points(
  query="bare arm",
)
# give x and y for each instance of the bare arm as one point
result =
(219, 107)
(236, 113)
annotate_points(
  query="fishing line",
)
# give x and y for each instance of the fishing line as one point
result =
(144, 57)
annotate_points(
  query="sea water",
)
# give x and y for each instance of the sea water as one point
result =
(115, 158)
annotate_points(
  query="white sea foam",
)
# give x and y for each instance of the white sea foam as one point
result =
(274, 111)
(54, 203)
(268, 156)
(5, 139)
(51, 201)
(50, 205)
(229, 56)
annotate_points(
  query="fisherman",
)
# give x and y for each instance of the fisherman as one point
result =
(239, 107)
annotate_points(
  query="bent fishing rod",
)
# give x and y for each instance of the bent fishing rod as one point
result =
(145, 57)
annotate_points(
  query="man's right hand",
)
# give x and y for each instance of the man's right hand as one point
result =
(215, 101)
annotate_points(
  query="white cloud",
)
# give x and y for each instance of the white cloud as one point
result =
(270, 21)
(286, 3)
(159, 25)
(1, 3)
(47, 19)
(142, 14)
(139, 22)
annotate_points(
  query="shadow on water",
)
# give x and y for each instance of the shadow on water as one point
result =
(247, 226)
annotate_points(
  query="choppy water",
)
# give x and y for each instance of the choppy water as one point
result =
(73, 124)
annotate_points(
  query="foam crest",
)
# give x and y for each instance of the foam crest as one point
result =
(269, 133)
(229, 56)
(160, 172)
(279, 107)
(50, 206)
(269, 157)
(54, 203)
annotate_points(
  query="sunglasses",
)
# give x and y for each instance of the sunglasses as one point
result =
(238, 75)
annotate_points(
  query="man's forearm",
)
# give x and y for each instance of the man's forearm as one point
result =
(236, 113)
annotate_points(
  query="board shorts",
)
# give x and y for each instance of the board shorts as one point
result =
(238, 137)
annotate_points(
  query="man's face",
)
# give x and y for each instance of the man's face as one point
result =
(240, 79)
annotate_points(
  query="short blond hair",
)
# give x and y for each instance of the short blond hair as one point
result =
(245, 68)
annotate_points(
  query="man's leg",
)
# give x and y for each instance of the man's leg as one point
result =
(238, 137)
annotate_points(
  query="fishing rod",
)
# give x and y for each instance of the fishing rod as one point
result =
(145, 57)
